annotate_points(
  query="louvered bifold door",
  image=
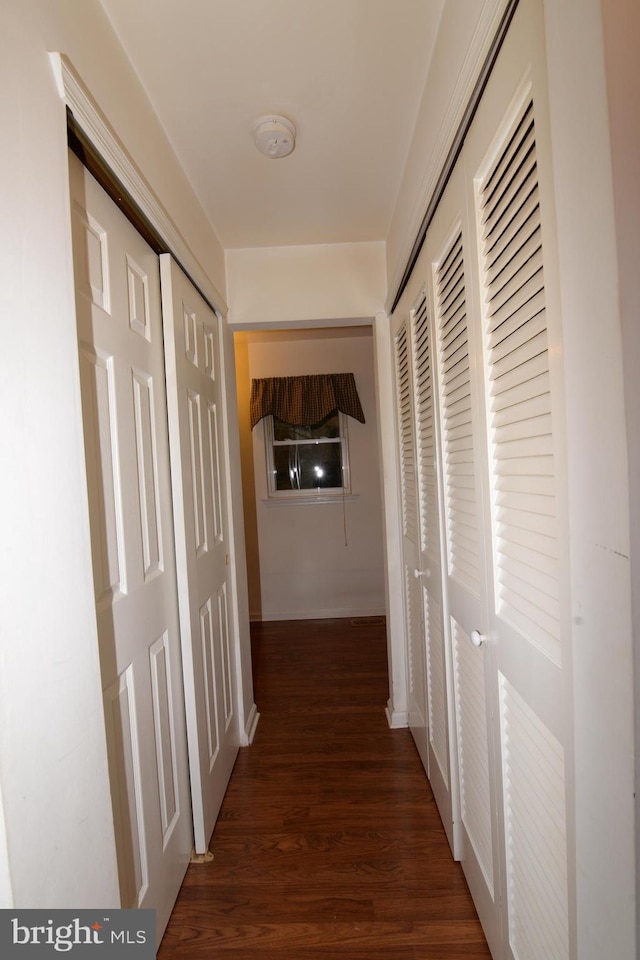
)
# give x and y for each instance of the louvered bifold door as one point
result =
(430, 567)
(460, 420)
(506, 157)
(416, 666)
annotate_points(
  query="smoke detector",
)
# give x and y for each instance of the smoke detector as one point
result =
(274, 136)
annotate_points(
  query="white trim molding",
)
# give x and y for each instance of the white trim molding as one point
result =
(397, 719)
(89, 117)
(249, 732)
(483, 38)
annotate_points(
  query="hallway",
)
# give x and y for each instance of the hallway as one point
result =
(328, 844)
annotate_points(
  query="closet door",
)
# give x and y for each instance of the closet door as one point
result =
(193, 345)
(447, 253)
(429, 563)
(416, 654)
(528, 627)
(117, 281)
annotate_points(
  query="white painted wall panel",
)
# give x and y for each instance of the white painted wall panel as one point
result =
(279, 285)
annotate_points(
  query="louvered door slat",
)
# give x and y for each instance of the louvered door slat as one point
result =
(523, 296)
(514, 164)
(405, 414)
(537, 405)
(523, 221)
(453, 292)
(540, 504)
(520, 376)
(519, 136)
(522, 520)
(426, 452)
(511, 281)
(473, 748)
(500, 203)
(509, 202)
(516, 250)
(511, 339)
(521, 441)
(515, 361)
(520, 484)
(527, 389)
(536, 836)
(530, 447)
(527, 428)
(532, 575)
(456, 321)
(529, 557)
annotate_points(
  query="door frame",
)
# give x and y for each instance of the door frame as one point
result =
(383, 364)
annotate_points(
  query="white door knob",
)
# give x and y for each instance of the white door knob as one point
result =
(477, 638)
(422, 573)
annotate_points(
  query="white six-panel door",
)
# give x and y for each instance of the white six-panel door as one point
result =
(127, 455)
(194, 385)
(492, 316)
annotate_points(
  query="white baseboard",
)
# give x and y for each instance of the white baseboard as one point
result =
(396, 718)
(335, 614)
(249, 732)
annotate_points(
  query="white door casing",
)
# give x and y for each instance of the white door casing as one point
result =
(127, 457)
(194, 351)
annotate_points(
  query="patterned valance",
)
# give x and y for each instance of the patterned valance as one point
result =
(305, 401)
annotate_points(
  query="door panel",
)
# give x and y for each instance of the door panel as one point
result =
(430, 564)
(127, 458)
(458, 379)
(527, 548)
(193, 349)
(416, 655)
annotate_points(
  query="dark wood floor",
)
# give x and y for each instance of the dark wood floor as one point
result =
(328, 845)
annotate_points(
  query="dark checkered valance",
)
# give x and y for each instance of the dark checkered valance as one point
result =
(305, 401)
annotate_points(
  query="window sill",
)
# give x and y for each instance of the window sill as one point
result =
(305, 499)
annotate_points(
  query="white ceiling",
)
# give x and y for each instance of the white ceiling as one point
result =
(348, 73)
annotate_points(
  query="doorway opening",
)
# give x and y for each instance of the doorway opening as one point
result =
(318, 556)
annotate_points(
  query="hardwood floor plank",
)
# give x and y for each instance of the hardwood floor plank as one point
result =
(329, 845)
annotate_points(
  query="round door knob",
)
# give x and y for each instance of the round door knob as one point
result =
(422, 573)
(477, 638)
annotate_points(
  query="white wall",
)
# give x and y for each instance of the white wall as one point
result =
(53, 770)
(318, 282)
(597, 482)
(306, 571)
(621, 23)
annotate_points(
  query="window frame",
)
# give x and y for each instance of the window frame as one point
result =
(307, 494)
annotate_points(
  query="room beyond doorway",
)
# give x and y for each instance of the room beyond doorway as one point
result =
(312, 558)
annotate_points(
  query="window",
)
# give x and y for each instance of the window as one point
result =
(307, 461)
